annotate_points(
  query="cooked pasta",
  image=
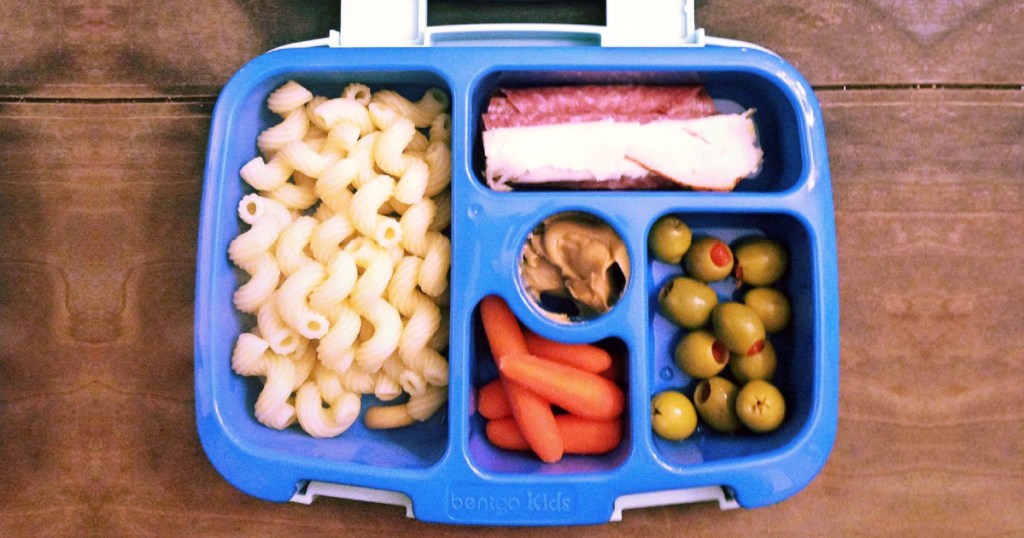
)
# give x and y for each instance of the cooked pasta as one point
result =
(412, 185)
(288, 97)
(253, 207)
(294, 127)
(282, 339)
(297, 196)
(377, 268)
(305, 360)
(358, 91)
(365, 207)
(272, 406)
(422, 112)
(389, 155)
(343, 110)
(264, 277)
(310, 108)
(441, 129)
(341, 278)
(329, 383)
(433, 277)
(401, 290)
(292, 245)
(335, 419)
(293, 301)
(410, 380)
(443, 212)
(347, 268)
(330, 233)
(423, 405)
(414, 223)
(248, 357)
(438, 159)
(342, 138)
(387, 387)
(387, 329)
(336, 350)
(413, 344)
(303, 158)
(357, 380)
(380, 417)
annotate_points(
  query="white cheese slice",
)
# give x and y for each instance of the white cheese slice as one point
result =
(705, 153)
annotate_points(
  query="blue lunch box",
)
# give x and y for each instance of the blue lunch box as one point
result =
(444, 469)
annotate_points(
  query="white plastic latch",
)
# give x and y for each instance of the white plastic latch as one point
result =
(629, 23)
(675, 496)
(651, 23)
(314, 489)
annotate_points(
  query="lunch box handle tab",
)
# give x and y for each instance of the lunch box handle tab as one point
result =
(629, 23)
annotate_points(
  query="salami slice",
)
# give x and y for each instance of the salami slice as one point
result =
(675, 102)
(525, 119)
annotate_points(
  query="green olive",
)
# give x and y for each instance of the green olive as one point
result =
(760, 406)
(669, 239)
(760, 261)
(738, 327)
(715, 399)
(699, 354)
(672, 415)
(757, 366)
(709, 259)
(771, 305)
(687, 302)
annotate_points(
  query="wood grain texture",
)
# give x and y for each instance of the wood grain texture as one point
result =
(141, 49)
(100, 178)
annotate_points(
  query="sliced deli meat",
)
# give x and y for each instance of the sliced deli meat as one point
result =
(615, 137)
(673, 101)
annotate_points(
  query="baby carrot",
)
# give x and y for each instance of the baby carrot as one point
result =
(613, 371)
(531, 412)
(504, 433)
(492, 402)
(580, 393)
(580, 435)
(536, 421)
(583, 356)
(503, 333)
(589, 436)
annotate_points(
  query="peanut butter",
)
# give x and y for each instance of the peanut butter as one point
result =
(574, 256)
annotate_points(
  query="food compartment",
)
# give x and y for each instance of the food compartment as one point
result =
(233, 396)
(776, 121)
(483, 370)
(797, 346)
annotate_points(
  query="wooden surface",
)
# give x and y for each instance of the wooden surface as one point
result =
(104, 116)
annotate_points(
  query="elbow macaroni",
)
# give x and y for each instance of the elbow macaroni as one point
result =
(347, 266)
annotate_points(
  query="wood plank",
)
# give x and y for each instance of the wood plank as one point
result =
(138, 49)
(98, 216)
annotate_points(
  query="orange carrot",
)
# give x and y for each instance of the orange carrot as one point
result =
(504, 433)
(583, 356)
(587, 436)
(533, 415)
(492, 402)
(536, 421)
(580, 435)
(580, 393)
(614, 370)
(501, 327)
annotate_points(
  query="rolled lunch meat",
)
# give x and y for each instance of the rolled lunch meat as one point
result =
(616, 137)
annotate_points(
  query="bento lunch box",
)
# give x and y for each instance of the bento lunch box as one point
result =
(444, 469)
